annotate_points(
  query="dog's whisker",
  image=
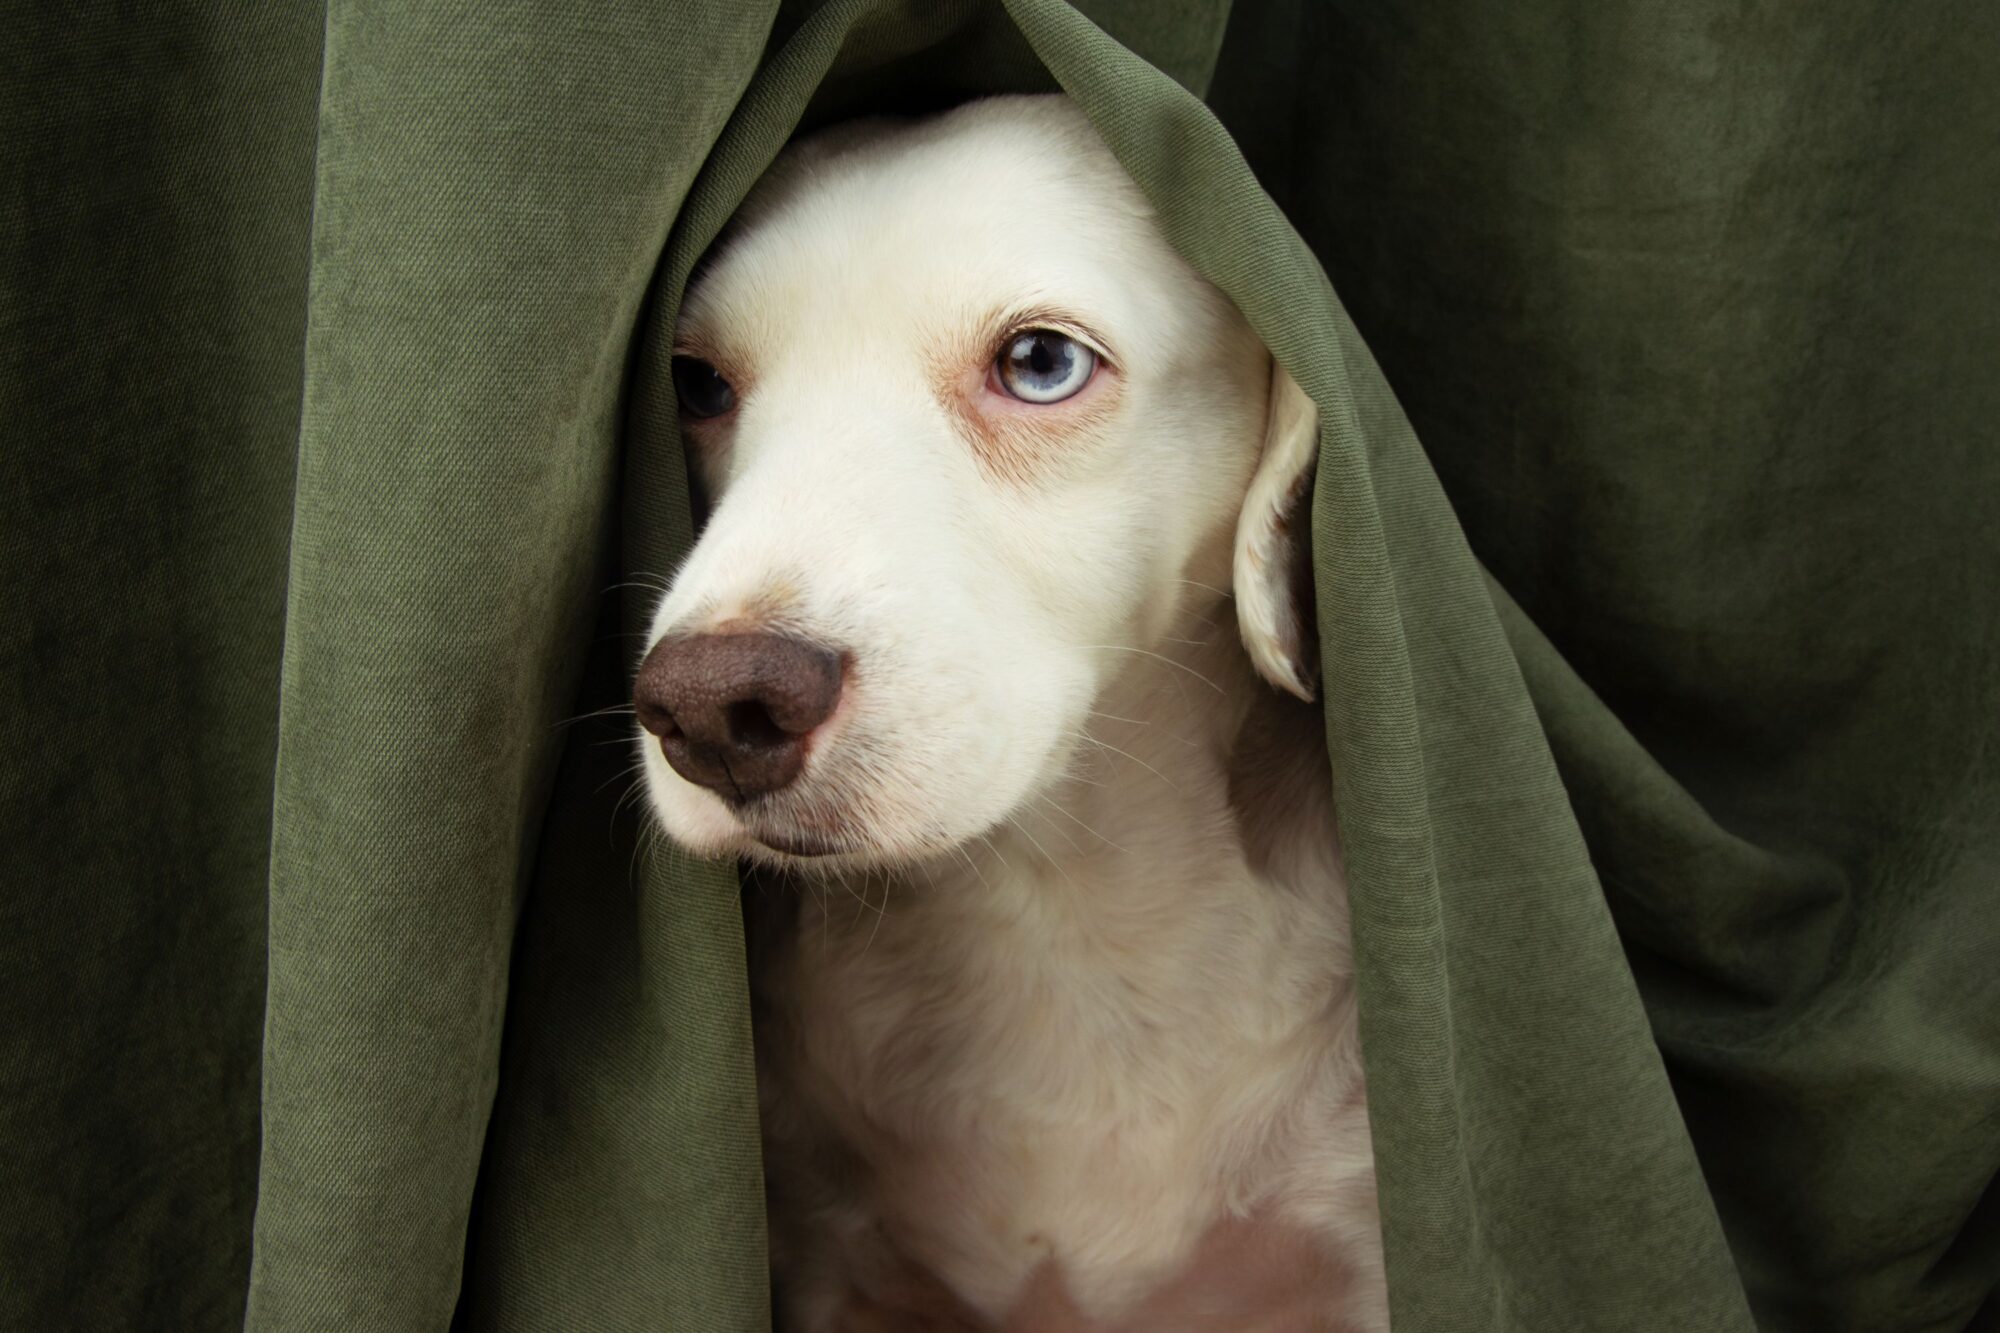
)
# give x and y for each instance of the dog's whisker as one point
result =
(620, 776)
(608, 711)
(1134, 721)
(1154, 727)
(880, 912)
(973, 866)
(1129, 755)
(1058, 829)
(1087, 828)
(1072, 768)
(650, 583)
(1036, 843)
(860, 899)
(640, 850)
(1161, 657)
(630, 796)
(987, 839)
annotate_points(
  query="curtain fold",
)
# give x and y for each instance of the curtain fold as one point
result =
(493, 185)
(342, 984)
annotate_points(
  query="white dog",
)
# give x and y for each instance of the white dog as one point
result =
(1058, 1032)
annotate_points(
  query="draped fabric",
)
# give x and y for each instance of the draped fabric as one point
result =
(1657, 545)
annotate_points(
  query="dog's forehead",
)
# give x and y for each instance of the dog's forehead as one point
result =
(1012, 202)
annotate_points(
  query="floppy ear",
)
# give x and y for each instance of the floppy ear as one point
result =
(1273, 571)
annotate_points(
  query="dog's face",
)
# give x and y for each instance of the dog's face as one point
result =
(973, 434)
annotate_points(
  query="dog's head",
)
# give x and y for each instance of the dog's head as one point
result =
(973, 434)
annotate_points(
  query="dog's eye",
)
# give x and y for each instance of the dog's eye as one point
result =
(1043, 366)
(702, 390)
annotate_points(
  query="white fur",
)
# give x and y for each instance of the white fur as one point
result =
(1076, 989)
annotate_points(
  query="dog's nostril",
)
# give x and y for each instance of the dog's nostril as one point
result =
(751, 726)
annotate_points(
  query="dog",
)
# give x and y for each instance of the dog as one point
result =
(994, 662)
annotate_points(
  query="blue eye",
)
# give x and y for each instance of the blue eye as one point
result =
(700, 387)
(1043, 366)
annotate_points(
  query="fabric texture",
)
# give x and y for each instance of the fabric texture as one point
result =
(1657, 542)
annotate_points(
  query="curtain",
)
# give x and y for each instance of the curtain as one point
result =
(1657, 545)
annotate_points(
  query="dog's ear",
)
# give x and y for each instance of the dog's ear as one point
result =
(1273, 572)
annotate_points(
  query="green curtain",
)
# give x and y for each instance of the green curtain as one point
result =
(1657, 538)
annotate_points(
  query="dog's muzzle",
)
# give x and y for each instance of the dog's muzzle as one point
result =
(734, 712)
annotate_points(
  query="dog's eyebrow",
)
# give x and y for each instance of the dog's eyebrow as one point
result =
(694, 335)
(1019, 319)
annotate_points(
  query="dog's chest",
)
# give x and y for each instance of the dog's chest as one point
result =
(1087, 1065)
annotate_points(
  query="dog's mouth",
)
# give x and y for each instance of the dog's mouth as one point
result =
(808, 832)
(782, 834)
(798, 844)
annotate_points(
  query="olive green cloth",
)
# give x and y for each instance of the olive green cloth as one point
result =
(339, 986)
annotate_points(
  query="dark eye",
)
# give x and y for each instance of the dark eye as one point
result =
(702, 390)
(1043, 366)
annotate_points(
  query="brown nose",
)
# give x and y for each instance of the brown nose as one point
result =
(732, 711)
